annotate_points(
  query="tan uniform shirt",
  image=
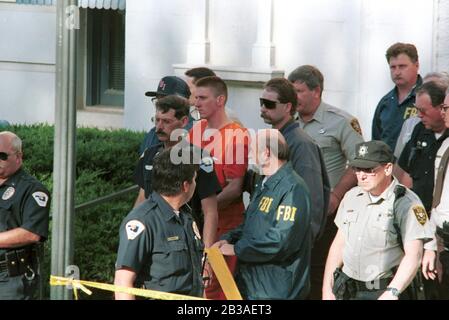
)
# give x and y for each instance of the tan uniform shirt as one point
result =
(336, 132)
(371, 245)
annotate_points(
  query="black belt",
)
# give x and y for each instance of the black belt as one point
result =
(380, 284)
(22, 259)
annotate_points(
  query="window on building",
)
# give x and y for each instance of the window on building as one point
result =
(38, 2)
(105, 46)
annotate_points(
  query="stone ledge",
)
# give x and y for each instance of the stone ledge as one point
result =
(245, 75)
(99, 117)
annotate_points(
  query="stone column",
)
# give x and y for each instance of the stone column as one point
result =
(440, 58)
(264, 50)
(198, 49)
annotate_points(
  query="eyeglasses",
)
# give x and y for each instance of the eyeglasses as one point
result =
(269, 104)
(4, 156)
(367, 171)
(444, 108)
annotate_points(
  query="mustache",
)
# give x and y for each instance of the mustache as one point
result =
(161, 133)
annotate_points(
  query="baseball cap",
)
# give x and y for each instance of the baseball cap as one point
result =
(170, 85)
(371, 154)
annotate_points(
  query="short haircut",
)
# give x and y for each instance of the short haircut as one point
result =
(199, 73)
(179, 104)
(16, 142)
(405, 48)
(309, 75)
(285, 90)
(168, 177)
(217, 85)
(435, 90)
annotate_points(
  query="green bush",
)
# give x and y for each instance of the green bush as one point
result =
(105, 162)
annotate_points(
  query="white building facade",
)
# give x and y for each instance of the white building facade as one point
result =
(124, 53)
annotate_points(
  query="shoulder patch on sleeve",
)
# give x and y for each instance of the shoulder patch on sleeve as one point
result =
(41, 198)
(356, 126)
(420, 214)
(133, 229)
(207, 164)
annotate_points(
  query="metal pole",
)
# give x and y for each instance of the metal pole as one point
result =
(64, 149)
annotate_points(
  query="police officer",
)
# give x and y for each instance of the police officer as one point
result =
(417, 161)
(169, 85)
(418, 157)
(24, 215)
(336, 132)
(160, 246)
(171, 114)
(274, 242)
(439, 221)
(398, 104)
(381, 230)
(277, 107)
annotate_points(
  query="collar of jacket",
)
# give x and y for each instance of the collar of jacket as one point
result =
(12, 180)
(276, 178)
(167, 211)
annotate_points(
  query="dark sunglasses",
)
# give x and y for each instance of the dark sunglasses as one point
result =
(269, 104)
(4, 156)
(367, 171)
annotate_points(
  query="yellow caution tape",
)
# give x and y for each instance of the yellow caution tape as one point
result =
(223, 274)
(215, 259)
(81, 284)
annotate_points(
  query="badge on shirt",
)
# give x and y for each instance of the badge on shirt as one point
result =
(196, 230)
(41, 198)
(133, 229)
(420, 214)
(148, 167)
(8, 193)
(356, 126)
(207, 164)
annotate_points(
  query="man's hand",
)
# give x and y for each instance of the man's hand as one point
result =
(218, 244)
(227, 249)
(428, 265)
(328, 294)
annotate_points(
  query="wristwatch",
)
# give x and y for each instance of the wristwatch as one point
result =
(394, 291)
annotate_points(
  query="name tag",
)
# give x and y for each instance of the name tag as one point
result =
(175, 238)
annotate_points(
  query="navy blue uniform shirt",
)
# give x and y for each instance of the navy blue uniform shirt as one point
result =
(390, 115)
(162, 248)
(418, 160)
